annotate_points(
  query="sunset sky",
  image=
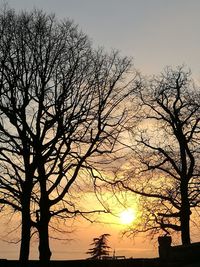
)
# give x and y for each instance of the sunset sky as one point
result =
(156, 33)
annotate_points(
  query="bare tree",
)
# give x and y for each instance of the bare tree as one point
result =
(100, 247)
(61, 106)
(166, 152)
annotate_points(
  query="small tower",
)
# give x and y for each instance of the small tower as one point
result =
(114, 254)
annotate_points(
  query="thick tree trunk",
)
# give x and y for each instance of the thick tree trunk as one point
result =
(185, 225)
(43, 226)
(25, 232)
(185, 204)
(185, 216)
(44, 216)
(185, 229)
(44, 249)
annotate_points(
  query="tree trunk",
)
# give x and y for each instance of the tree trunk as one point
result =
(185, 226)
(185, 230)
(43, 226)
(185, 216)
(25, 232)
(185, 204)
(44, 250)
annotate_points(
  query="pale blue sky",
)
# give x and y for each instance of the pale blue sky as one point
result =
(155, 33)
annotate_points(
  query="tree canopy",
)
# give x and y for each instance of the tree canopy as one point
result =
(165, 152)
(62, 106)
(100, 247)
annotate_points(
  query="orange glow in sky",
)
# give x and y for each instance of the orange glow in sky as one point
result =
(156, 34)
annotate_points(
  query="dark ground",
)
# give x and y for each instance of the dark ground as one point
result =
(104, 263)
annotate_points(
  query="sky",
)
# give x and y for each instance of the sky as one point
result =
(156, 34)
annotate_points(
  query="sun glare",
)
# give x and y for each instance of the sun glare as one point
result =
(127, 216)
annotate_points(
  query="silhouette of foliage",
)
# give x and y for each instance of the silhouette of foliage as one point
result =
(100, 247)
(165, 154)
(61, 109)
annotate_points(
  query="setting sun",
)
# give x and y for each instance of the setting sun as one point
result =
(127, 216)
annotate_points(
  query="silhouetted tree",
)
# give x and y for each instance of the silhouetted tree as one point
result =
(166, 154)
(100, 247)
(61, 106)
